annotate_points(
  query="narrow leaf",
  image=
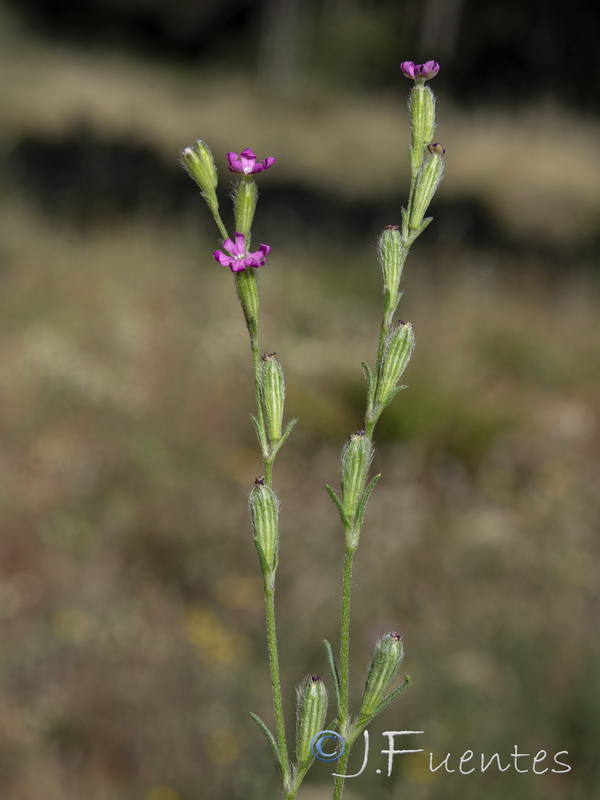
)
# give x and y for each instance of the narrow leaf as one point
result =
(390, 397)
(368, 375)
(270, 739)
(333, 672)
(418, 231)
(338, 505)
(259, 433)
(284, 436)
(393, 695)
(360, 513)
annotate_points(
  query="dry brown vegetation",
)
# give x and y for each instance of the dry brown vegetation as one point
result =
(129, 597)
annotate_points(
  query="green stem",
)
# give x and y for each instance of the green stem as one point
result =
(267, 463)
(345, 642)
(213, 204)
(276, 682)
(342, 765)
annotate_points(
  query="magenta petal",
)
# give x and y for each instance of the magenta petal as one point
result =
(430, 69)
(229, 246)
(248, 160)
(239, 246)
(239, 265)
(408, 69)
(234, 164)
(265, 249)
(269, 161)
(224, 260)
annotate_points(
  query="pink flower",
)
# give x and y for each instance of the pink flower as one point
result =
(420, 72)
(246, 163)
(236, 257)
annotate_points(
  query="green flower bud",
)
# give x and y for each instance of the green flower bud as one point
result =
(199, 163)
(398, 351)
(356, 460)
(391, 257)
(264, 513)
(247, 291)
(272, 392)
(389, 653)
(427, 182)
(244, 201)
(422, 119)
(311, 711)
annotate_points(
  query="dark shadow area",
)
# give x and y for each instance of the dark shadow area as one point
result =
(507, 51)
(89, 181)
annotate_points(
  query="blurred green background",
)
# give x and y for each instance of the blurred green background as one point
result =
(130, 602)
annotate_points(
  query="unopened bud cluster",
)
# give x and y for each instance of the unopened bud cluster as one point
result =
(389, 653)
(311, 711)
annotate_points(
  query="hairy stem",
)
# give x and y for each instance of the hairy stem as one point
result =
(342, 765)
(276, 681)
(345, 641)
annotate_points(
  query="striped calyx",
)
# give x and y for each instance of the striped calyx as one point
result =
(272, 392)
(264, 514)
(428, 181)
(356, 460)
(389, 653)
(397, 353)
(311, 710)
(422, 120)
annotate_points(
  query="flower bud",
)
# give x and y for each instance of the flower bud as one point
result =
(356, 460)
(391, 257)
(264, 512)
(427, 182)
(311, 711)
(422, 119)
(199, 163)
(244, 201)
(272, 392)
(389, 653)
(399, 347)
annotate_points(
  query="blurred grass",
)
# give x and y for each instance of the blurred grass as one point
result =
(129, 599)
(535, 171)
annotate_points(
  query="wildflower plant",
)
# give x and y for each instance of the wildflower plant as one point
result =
(394, 350)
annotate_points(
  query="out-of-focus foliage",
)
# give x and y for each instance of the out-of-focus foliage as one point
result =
(130, 603)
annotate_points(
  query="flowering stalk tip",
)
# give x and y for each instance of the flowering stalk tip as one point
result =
(246, 164)
(237, 258)
(420, 72)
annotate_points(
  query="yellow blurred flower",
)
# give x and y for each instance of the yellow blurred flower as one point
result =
(162, 793)
(213, 642)
(222, 747)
